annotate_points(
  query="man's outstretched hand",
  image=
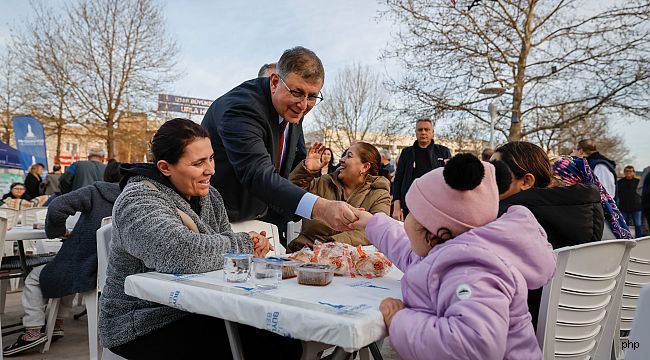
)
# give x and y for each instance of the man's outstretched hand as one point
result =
(338, 215)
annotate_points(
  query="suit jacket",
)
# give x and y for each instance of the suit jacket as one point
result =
(244, 129)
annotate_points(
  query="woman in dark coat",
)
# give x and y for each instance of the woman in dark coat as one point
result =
(33, 180)
(570, 215)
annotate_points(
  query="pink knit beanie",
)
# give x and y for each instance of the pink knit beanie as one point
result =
(459, 197)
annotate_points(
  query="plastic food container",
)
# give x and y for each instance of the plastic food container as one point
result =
(267, 272)
(237, 267)
(315, 274)
(289, 268)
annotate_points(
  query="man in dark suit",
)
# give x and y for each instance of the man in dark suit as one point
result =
(255, 130)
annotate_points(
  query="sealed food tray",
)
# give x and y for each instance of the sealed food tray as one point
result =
(288, 267)
(315, 274)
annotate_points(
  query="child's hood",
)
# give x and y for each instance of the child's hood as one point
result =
(519, 240)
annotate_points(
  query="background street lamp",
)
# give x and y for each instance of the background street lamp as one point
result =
(498, 91)
(492, 108)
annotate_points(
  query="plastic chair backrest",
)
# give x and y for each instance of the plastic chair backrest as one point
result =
(103, 249)
(259, 226)
(11, 215)
(3, 234)
(637, 276)
(293, 230)
(577, 317)
(71, 221)
(636, 344)
(33, 215)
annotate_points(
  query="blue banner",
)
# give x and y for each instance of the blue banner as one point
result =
(9, 158)
(30, 141)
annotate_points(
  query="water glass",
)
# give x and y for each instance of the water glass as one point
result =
(237, 267)
(267, 272)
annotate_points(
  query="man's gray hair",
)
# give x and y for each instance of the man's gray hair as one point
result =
(302, 62)
(385, 153)
(96, 151)
(266, 70)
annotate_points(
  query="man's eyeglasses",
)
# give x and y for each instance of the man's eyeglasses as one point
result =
(299, 96)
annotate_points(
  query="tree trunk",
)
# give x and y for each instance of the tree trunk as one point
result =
(518, 91)
(110, 135)
(59, 131)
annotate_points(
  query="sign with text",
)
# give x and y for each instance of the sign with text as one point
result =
(183, 104)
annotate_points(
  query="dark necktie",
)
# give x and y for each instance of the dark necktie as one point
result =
(283, 125)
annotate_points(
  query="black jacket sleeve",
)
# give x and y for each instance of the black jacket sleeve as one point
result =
(399, 177)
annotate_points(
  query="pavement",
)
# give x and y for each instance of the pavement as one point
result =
(74, 345)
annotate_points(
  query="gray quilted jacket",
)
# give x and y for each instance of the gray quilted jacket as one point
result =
(148, 235)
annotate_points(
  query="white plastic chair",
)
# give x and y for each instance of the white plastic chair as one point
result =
(579, 308)
(640, 335)
(30, 216)
(71, 221)
(637, 276)
(107, 220)
(103, 249)
(293, 230)
(11, 215)
(89, 297)
(258, 226)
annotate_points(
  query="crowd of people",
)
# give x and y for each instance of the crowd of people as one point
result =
(473, 236)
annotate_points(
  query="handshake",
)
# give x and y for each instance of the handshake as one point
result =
(340, 215)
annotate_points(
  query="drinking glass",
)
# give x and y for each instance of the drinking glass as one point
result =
(267, 272)
(237, 267)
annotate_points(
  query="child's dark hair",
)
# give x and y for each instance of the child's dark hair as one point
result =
(112, 171)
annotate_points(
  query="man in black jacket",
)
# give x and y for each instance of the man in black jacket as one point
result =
(629, 202)
(415, 161)
(645, 198)
(255, 130)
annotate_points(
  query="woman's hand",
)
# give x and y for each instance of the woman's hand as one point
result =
(389, 307)
(261, 245)
(363, 218)
(313, 160)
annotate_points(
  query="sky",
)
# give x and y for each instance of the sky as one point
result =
(224, 43)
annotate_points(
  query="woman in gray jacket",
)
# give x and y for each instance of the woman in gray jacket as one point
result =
(169, 219)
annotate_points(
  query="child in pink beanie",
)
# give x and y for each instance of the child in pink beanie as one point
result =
(466, 273)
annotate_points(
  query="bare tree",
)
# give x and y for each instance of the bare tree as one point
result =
(547, 55)
(45, 70)
(109, 53)
(609, 143)
(463, 136)
(12, 98)
(355, 108)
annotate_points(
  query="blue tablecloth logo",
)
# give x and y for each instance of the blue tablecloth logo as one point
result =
(368, 284)
(341, 309)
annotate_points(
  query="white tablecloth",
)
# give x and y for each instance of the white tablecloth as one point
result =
(25, 233)
(345, 313)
